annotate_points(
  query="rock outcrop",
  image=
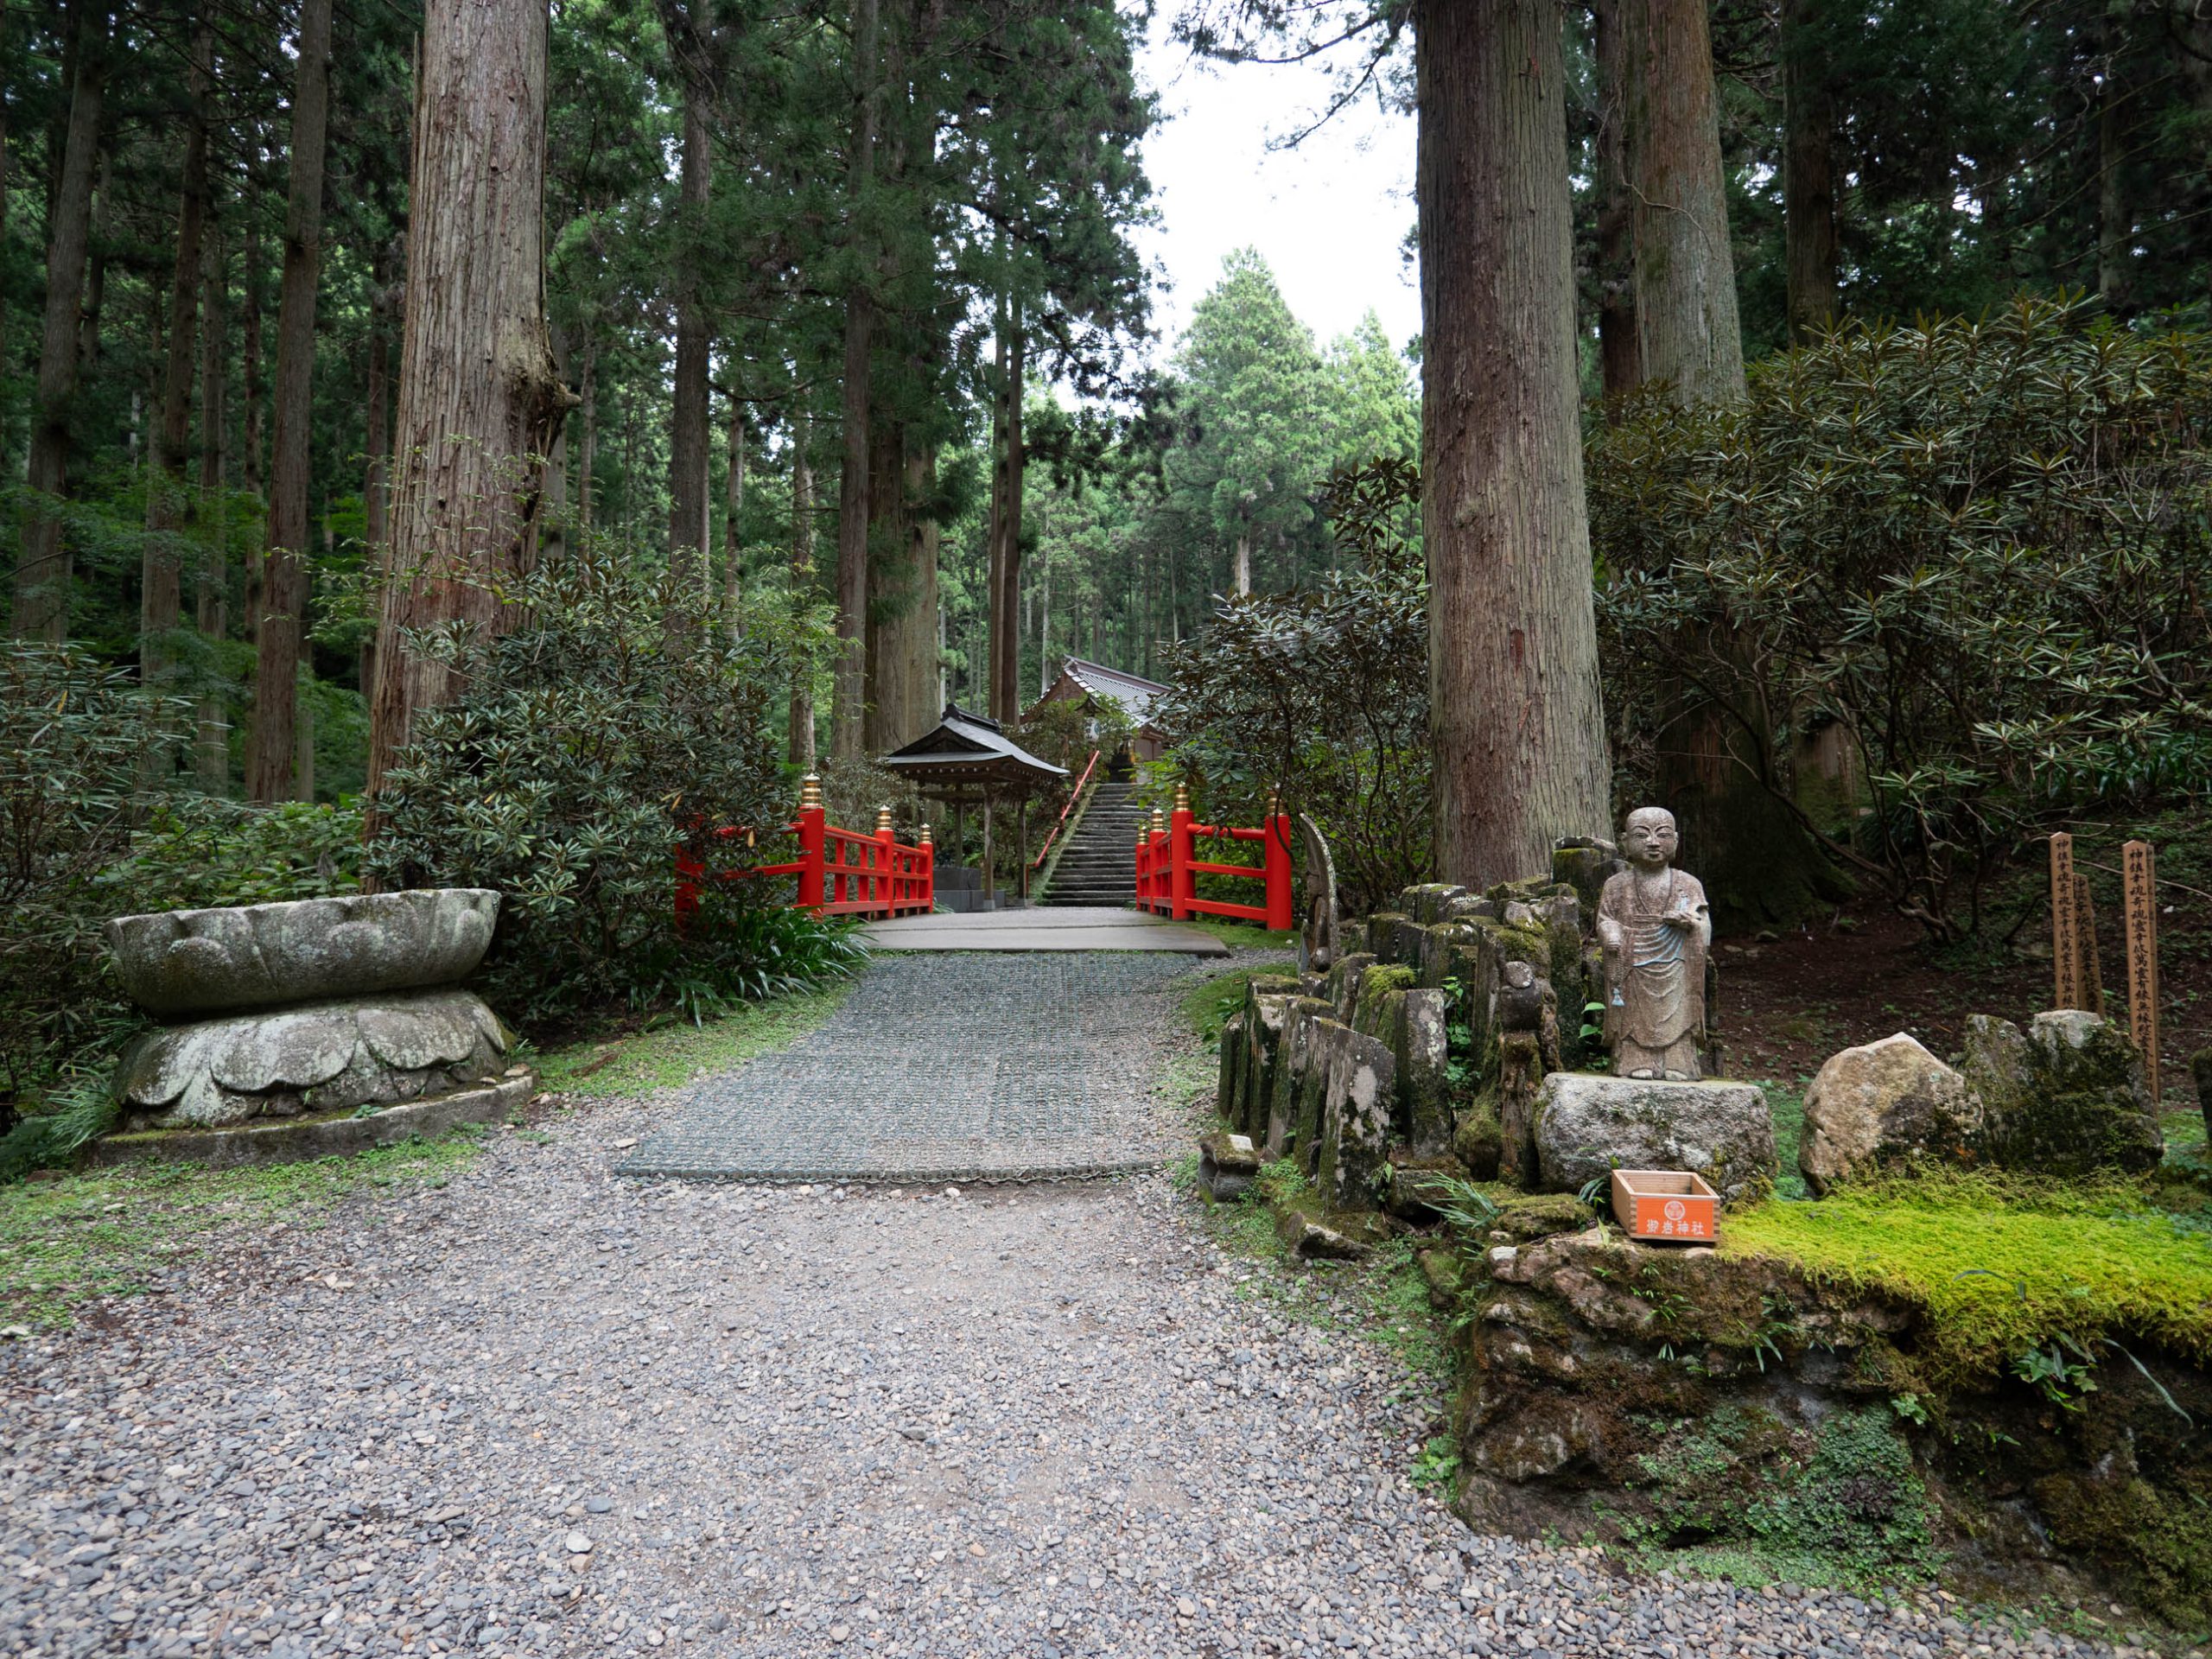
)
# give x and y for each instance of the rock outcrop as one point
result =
(1883, 1105)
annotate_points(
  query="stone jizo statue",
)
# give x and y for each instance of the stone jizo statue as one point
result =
(1654, 925)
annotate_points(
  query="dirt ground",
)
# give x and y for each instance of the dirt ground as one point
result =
(1790, 1001)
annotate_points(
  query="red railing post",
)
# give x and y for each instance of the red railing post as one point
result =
(879, 893)
(812, 819)
(1278, 849)
(1180, 853)
(926, 858)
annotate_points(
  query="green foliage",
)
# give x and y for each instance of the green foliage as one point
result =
(195, 851)
(1979, 549)
(589, 748)
(1211, 1004)
(2002, 1265)
(1325, 693)
(76, 744)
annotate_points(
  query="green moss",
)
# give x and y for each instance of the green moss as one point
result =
(2001, 1265)
(662, 1056)
(1754, 1499)
(105, 1232)
(2165, 1537)
(1384, 977)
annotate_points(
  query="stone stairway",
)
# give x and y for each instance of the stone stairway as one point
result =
(1098, 866)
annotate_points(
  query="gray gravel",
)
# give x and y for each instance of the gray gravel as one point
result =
(548, 1411)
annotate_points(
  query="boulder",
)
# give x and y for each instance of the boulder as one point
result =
(1884, 1104)
(200, 962)
(2065, 1098)
(1588, 1125)
(1228, 1165)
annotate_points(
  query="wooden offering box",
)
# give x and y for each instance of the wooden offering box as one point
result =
(1666, 1206)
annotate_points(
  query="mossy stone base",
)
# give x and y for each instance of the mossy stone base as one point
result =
(290, 1140)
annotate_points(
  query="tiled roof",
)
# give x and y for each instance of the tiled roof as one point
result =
(1132, 691)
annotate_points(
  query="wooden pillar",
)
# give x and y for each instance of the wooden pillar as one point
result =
(2065, 926)
(987, 891)
(2139, 866)
(1021, 860)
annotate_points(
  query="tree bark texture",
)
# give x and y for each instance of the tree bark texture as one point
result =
(1807, 174)
(689, 537)
(168, 502)
(270, 739)
(850, 688)
(1687, 330)
(1009, 464)
(1514, 710)
(732, 505)
(212, 597)
(479, 394)
(800, 747)
(2114, 228)
(1616, 255)
(43, 567)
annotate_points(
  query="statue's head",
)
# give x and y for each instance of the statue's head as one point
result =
(1649, 840)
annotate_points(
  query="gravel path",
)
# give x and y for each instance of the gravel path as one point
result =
(947, 1066)
(546, 1410)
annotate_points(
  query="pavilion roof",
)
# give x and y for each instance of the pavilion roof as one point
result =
(966, 756)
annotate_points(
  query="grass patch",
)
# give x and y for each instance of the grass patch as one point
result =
(104, 1232)
(2004, 1265)
(1244, 936)
(1210, 1005)
(664, 1056)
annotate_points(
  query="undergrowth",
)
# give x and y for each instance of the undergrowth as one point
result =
(2005, 1265)
(1209, 1005)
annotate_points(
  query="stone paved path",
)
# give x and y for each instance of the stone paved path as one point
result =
(947, 1067)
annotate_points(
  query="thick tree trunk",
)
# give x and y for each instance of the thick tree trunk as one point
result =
(270, 739)
(376, 480)
(1008, 467)
(1808, 172)
(1514, 704)
(801, 732)
(43, 567)
(732, 505)
(851, 684)
(688, 537)
(888, 591)
(250, 386)
(212, 609)
(101, 239)
(1686, 322)
(167, 501)
(1619, 370)
(2114, 228)
(588, 448)
(479, 395)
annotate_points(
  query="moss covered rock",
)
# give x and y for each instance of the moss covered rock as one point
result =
(2068, 1098)
(1883, 1105)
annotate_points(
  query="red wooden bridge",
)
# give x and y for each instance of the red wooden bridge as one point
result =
(841, 872)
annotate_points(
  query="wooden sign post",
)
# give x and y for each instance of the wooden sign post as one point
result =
(2090, 973)
(2140, 866)
(2065, 926)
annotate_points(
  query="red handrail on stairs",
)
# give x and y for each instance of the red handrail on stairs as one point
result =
(1074, 795)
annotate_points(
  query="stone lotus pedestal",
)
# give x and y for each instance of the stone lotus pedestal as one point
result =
(324, 1025)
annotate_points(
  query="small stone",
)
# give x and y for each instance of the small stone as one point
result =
(599, 1505)
(1186, 1608)
(578, 1544)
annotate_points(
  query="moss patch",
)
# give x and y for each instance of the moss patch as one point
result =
(107, 1231)
(662, 1056)
(1210, 1005)
(2002, 1265)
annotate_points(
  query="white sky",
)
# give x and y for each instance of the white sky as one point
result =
(1329, 216)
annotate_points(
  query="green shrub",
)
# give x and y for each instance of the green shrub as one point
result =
(75, 743)
(589, 748)
(198, 851)
(1981, 549)
(1324, 693)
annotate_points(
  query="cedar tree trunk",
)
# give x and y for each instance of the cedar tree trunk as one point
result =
(479, 395)
(688, 534)
(270, 739)
(851, 684)
(1807, 174)
(1515, 712)
(43, 567)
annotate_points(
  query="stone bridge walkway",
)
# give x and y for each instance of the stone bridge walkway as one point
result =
(948, 1067)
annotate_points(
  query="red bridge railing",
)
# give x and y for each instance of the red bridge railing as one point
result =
(841, 872)
(1168, 867)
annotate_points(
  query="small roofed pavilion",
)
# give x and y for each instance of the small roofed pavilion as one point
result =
(968, 760)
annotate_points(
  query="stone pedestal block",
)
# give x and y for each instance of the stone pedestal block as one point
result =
(1588, 1125)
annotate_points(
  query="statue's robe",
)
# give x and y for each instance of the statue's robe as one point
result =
(1655, 981)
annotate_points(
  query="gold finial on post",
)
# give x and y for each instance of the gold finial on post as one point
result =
(882, 820)
(926, 836)
(809, 792)
(1159, 821)
(1182, 795)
